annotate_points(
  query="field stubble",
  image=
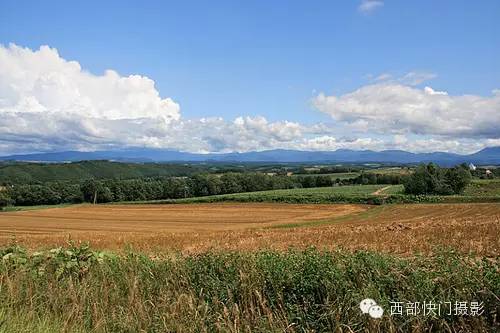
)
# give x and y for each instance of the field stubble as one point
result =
(195, 228)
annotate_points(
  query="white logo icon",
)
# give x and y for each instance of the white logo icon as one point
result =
(369, 306)
(366, 304)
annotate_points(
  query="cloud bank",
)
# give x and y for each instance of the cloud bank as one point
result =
(50, 104)
(393, 108)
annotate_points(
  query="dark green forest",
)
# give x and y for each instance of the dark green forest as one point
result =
(37, 173)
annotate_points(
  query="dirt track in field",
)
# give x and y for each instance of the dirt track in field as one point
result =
(194, 228)
(164, 218)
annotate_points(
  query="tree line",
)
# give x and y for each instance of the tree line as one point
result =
(426, 179)
(115, 190)
(326, 169)
(161, 188)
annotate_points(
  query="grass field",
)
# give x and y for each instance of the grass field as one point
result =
(483, 187)
(390, 170)
(478, 191)
(338, 194)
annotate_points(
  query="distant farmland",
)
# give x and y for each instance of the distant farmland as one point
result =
(339, 175)
(340, 194)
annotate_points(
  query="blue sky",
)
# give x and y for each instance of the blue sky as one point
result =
(273, 59)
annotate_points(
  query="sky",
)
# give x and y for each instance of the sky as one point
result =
(223, 76)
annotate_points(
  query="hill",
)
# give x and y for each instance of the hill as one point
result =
(37, 172)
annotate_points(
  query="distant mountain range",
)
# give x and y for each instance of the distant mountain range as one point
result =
(489, 155)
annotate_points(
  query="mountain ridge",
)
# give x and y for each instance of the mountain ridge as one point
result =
(488, 155)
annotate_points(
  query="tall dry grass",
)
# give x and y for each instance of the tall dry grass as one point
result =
(295, 291)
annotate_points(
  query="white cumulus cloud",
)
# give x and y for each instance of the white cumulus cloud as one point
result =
(48, 103)
(394, 108)
(42, 81)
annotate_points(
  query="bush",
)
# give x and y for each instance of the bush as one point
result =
(458, 179)
(431, 179)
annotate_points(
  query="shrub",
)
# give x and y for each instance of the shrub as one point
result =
(431, 179)
(458, 178)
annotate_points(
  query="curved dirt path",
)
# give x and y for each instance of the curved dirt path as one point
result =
(380, 190)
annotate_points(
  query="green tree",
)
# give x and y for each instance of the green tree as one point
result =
(431, 179)
(458, 178)
(94, 191)
(5, 199)
(231, 183)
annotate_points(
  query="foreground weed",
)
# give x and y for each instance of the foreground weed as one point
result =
(295, 291)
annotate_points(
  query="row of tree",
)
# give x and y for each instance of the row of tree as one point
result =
(374, 179)
(325, 169)
(113, 190)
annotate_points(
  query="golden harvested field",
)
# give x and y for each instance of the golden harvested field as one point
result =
(399, 229)
(163, 218)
